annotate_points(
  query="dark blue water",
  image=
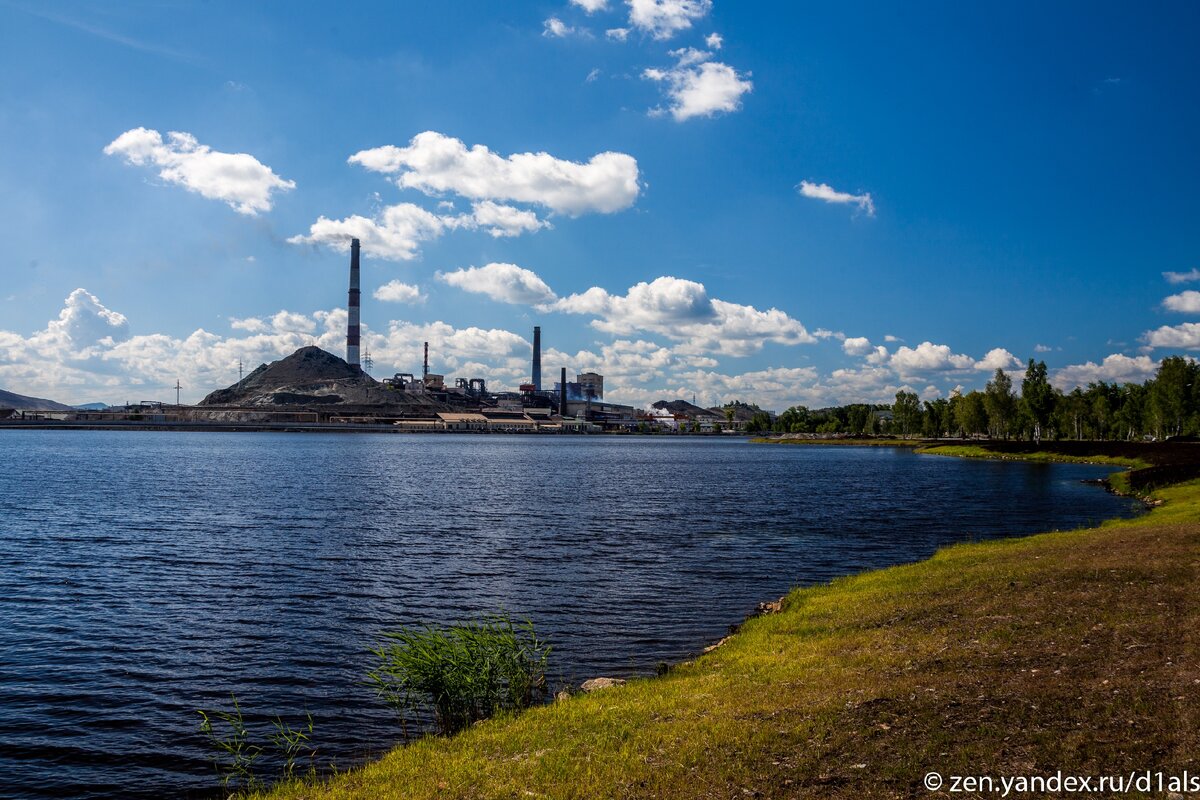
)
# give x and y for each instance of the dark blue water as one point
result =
(145, 575)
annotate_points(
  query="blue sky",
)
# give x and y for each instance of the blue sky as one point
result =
(820, 204)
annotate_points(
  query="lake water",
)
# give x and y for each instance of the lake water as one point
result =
(144, 575)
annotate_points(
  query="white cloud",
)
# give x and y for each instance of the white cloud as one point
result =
(506, 283)
(502, 220)
(823, 191)
(699, 89)
(88, 354)
(1042, 348)
(452, 349)
(291, 322)
(238, 179)
(889, 338)
(662, 19)
(434, 163)
(251, 324)
(928, 357)
(1187, 302)
(997, 358)
(857, 346)
(624, 362)
(1116, 368)
(398, 292)
(682, 310)
(395, 233)
(878, 356)
(591, 6)
(687, 56)
(1182, 277)
(1185, 336)
(592, 75)
(83, 325)
(617, 34)
(714, 41)
(555, 28)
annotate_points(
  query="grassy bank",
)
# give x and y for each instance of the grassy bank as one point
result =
(1077, 651)
(844, 441)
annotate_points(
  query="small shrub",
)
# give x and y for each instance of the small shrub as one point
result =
(464, 673)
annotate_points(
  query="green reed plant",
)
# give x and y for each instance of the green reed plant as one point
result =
(464, 673)
(237, 756)
(292, 743)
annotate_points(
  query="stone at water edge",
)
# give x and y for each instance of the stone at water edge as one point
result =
(596, 684)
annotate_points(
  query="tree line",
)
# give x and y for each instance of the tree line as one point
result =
(1166, 405)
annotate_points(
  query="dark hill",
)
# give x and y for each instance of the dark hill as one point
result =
(22, 403)
(312, 378)
(684, 407)
(309, 374)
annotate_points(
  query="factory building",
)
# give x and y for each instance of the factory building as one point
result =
(591, 385)
(586, 386)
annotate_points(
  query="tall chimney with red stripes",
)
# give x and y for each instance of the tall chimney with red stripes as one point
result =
(352, 319)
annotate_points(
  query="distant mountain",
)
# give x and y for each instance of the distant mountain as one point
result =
(22, 403)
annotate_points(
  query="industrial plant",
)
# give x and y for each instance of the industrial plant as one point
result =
(312, 388)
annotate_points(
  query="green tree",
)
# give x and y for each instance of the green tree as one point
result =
(1131, 411)
(1001, 404)
(1037, 395)
(906, 413)
(1072, 413)
(1171, 394)
(937, 421)
(858, 416)
(760, 422)
(971, 413)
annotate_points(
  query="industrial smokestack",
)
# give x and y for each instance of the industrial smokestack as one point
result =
(562, 394)
(425, 364)
(537, 359)
(352, 319)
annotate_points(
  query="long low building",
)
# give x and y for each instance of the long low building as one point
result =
(495, 420)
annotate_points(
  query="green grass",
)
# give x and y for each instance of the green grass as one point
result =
(1045, 456)
(1077, 651)
(783, 439)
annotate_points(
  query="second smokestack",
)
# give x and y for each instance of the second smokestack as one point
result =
(562, 394)
(537, 359)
